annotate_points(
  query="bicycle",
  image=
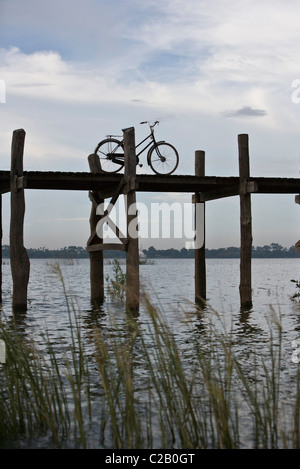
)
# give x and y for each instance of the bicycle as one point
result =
(162, 157)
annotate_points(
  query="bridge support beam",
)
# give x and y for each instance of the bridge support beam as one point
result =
(132, 254)
(200, 262)
(245, 224)
(96, 257)
(19, 260)
(130, 243)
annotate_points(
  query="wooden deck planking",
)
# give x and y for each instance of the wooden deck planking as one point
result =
(214, 186)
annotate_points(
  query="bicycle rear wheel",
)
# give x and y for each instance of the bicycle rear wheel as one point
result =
(111, 154)
(163, 158)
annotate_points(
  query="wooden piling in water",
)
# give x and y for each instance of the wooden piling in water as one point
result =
(132, 254)
(103, 185)
(96, 257)
(1, 235)
(19, 260)
(245, 223)
(297, 245)
(200, 261)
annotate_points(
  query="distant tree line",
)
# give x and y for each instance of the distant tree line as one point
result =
(68, 252)
(268, 251)
(77, 252)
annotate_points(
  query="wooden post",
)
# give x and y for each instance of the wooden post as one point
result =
(19, 260)
(132, 255)
(1, 235)
(200, 262)
(297, 245)
(245, 224)
(96, 257)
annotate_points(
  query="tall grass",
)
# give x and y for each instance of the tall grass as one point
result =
(139, 388)
(32, 392)
(42, 393)
(116, 285)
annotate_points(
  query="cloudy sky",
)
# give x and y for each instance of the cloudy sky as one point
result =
(77, 70)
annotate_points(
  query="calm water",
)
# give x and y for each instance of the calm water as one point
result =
(170, 284)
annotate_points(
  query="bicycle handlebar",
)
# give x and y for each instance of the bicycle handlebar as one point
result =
(151, 126)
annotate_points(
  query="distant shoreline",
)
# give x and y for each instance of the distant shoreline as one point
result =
(271, 251)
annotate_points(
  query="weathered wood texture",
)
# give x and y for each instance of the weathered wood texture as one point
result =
(297, 245)
(200, 262)
(19, 260)
(132, 255)
(1, 235)
(102, 185)
(245, 223)
(211, 187)
(96, 255)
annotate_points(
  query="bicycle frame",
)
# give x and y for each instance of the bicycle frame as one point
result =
(162, 157)
(152, 143)
(115, 156)
(151, 135)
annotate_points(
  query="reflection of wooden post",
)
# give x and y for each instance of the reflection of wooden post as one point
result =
(200, 264)
(132, 255)
(96, 257)
(245, 223)
(18, 255)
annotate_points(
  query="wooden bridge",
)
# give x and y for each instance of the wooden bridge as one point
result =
(103, 185)
(210, 187)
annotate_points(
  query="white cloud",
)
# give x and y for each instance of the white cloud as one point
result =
(180, 56)
(245, 111)
(76, 70)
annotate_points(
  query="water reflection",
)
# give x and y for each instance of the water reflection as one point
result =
(95, 315)
(245, 324)
(169, 291)
(169, 286)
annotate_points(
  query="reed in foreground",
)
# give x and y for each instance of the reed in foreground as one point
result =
(136, 387)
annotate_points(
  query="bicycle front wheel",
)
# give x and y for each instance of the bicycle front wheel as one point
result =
(163, 158)
(111, 154)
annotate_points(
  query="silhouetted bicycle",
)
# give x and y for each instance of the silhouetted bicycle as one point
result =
(162, 157)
